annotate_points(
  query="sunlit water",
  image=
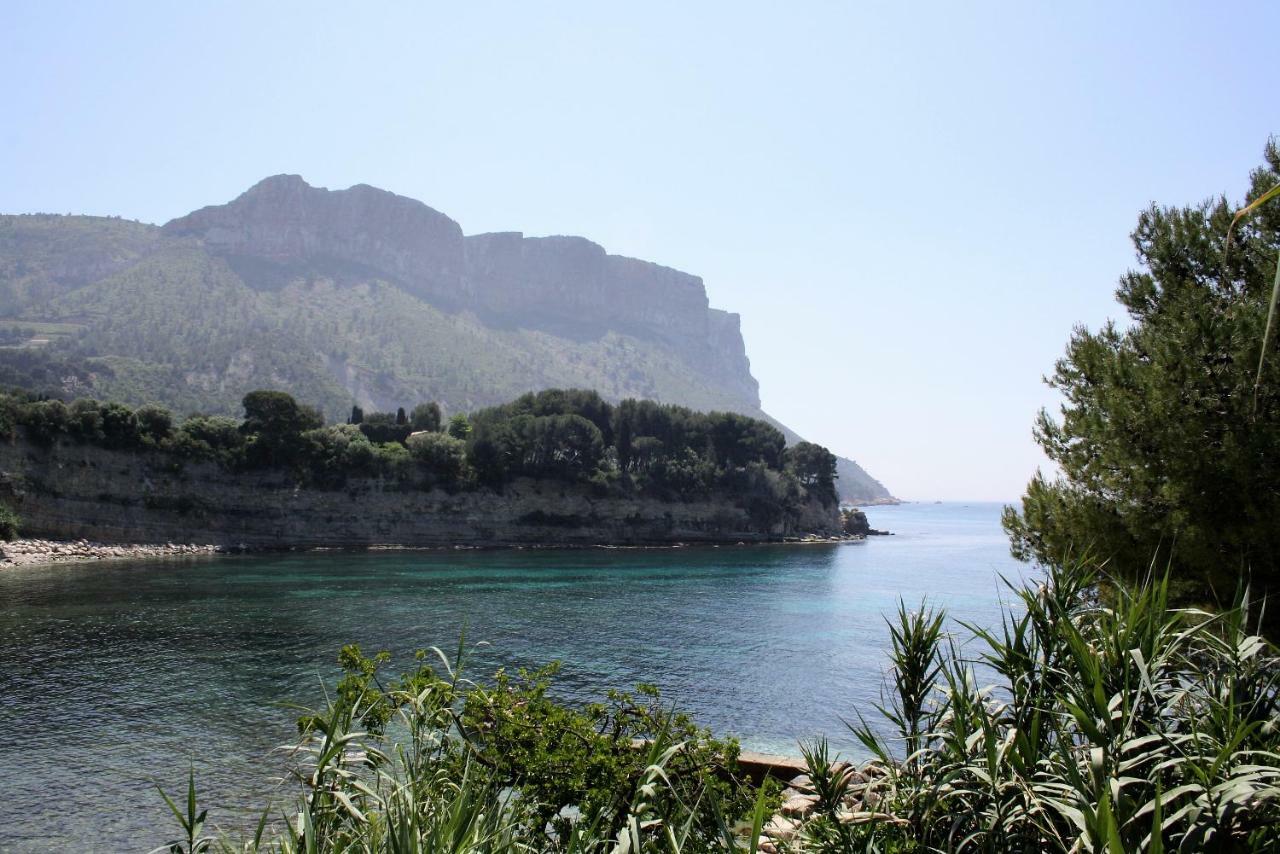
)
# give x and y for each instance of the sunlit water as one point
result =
(114, 676)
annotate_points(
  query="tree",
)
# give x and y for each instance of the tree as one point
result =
(459, 427)
(275, 422)
(738, 440)
(815, 469)
(425, 416)
(441, 454)
(208, 437)
(1164, 453)
(382, 427)
(155, 423)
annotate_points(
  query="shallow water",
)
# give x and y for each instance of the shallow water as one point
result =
(114, 676)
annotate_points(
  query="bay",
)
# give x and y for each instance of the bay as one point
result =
(114, 677)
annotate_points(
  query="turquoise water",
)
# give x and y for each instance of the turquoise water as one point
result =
(114, 676)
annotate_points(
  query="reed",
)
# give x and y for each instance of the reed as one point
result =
(1125, 726)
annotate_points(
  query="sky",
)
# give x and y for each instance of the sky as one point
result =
(911, 205)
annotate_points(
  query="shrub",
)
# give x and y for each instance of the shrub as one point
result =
(208, 437)
(459, 427)
(86, 421)
(382, 427)
(9, 523)
(443, 456)
(334, 452)
(155, 424)
(393, 460)
(503, 768)
(425, 416)
(120, 427)
(46, 421)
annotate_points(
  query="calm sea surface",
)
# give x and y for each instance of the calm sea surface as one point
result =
(114, 676)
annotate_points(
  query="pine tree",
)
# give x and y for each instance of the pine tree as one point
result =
(1165, 454)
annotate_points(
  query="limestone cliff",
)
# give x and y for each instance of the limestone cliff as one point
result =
(286, 221)
(564, 285)
(72, 491)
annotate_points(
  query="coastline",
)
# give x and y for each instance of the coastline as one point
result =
(41, 552)
(26, 552)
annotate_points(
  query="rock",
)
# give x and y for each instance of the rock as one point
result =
(780, 827)
(799, 805)
(802, 783)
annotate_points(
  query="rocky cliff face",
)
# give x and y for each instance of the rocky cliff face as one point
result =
(568, 286)
(286, 221)
(75, 491)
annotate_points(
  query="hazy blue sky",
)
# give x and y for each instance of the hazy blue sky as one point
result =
(910, 205)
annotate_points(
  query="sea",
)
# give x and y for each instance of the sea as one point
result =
(117, 678)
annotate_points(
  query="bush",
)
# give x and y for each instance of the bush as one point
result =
(120, 429)
(459, 427)
(503, 768)
(86, 421)
(333, 453)
(425, 416)
(9, 523)
(208, 437)
(443, 456)
(382, 427)
(46, 421)
(393, 460)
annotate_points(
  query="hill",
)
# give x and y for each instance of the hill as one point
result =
(356, 296)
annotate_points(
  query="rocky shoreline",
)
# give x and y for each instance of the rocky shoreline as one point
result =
(28, 552)
(863, 788)
(39, 552)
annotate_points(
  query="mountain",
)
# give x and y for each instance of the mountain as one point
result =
(355, 296)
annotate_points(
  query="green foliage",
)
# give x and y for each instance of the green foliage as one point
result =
(425, 417)
(552, 435)
(274, 423)
(559, 757)
(335, 452)
(382, 427)
(432, 762)
(155, 424)
(9, 523)
(459, 427)
(209, 437)
(190, 819)
(1133, 727)
(46, 421)
(815, 469)
(1163, 446)
(443, 456)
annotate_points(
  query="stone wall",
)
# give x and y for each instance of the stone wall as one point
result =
(72, 491)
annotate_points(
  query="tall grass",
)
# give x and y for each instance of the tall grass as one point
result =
(1115, 727)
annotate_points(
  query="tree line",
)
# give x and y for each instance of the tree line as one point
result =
(637, 447)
